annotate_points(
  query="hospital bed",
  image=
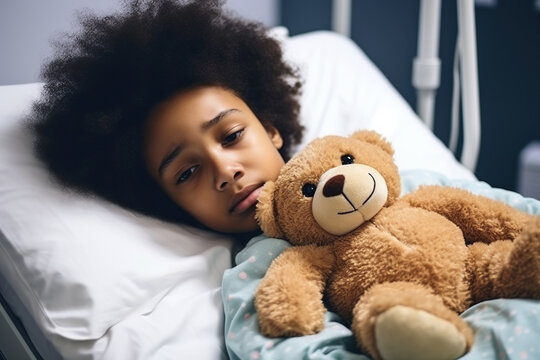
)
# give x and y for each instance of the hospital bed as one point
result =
(81, 278)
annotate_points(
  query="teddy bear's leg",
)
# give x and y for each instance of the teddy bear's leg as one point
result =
(507, 268)
(401, 320)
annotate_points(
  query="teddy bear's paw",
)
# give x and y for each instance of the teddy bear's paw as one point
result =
(402, 332)
(529, 238)
(520, 276)
(293, 324)
(280, 318)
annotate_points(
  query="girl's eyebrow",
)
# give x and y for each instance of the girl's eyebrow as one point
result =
(169, 157)
(205, 125)
(167, 160)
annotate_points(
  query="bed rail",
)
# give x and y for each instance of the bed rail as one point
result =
(12, 343)
(426, 69)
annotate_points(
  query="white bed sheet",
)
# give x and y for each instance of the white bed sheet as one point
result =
(102, 282)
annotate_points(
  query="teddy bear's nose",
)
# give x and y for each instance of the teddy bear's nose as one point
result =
(334, 186)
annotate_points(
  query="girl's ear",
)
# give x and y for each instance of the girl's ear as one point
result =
(265, 214)
(274, 136)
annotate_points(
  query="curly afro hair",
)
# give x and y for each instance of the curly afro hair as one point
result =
(107, 78)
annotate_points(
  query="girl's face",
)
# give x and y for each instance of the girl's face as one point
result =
(211, 155)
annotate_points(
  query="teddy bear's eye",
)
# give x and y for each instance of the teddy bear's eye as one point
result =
(308, 190)
(347, 159)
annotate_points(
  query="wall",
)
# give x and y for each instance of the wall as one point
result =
(508, 41)
(27, 28)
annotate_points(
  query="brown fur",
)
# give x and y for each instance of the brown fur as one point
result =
(437, 250)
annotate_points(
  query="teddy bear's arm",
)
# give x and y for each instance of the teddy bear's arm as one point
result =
(289, 297)
(478, 217)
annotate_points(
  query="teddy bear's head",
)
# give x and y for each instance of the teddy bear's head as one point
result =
(329, 189)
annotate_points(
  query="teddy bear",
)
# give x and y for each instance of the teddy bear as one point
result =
(398, 269)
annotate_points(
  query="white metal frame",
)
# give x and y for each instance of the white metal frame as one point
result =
(426, 67)
(469, 79)
(341, 16)
(12, 343)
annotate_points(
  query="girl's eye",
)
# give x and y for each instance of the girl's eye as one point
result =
(231, 138)
(186, 175)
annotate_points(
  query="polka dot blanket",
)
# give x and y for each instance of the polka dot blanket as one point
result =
(504, 328)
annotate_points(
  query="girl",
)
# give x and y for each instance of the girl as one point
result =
(172, 108)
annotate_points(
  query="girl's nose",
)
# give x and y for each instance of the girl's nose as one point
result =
(229, 178)
(226, 171)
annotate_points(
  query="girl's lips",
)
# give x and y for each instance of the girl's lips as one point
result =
(245, 199)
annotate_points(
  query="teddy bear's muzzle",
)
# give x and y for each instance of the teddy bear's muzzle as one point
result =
(347, 196)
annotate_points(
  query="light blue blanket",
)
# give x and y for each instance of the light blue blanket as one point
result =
(504, 328)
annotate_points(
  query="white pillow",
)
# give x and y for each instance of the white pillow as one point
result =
(88, 270)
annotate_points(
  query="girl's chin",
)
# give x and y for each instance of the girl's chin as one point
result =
(244, 223)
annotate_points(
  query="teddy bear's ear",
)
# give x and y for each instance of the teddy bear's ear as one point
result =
(265, 214)
(374, 138)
